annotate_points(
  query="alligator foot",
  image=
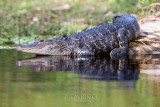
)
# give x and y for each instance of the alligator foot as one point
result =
(118, 52)
(123, 44)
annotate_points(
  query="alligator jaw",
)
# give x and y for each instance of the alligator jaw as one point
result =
(23, 49)
(19, 48)
(33, 50)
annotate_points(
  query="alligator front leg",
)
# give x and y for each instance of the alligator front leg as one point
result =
(83, 52)
(123, 44)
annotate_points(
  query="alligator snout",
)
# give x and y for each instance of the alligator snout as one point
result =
(18, 47)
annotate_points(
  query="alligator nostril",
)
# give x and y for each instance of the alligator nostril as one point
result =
(18, 47)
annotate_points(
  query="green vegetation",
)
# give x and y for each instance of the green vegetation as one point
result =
(22, 21)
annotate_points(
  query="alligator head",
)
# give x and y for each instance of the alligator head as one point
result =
(46, 47)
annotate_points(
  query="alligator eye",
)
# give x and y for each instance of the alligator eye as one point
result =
(40, 41)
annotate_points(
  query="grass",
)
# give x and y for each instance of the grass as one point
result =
(22, 21)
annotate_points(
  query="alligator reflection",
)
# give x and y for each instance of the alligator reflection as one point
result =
(96, 68)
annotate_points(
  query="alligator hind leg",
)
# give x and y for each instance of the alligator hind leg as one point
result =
(123, 44)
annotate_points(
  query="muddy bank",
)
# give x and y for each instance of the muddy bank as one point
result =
(149, 41)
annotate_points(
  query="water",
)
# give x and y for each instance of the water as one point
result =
(30, 81)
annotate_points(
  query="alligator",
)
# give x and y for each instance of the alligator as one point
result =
(91, 67)
(110, 38)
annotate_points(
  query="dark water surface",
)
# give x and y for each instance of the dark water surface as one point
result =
(61, 81)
